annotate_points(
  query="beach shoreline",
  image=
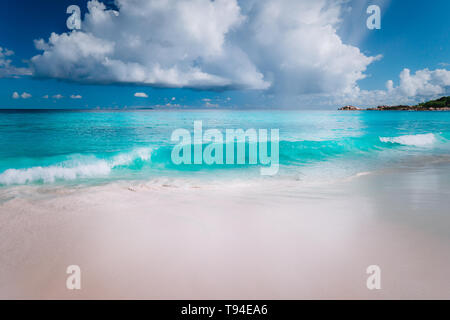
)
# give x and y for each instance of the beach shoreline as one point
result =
(242, 240)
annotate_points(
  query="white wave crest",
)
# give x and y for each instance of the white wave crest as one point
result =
(127, 158)
(417, 140)
(71, 170)
(52, 173)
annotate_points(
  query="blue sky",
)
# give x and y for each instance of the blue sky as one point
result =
(414, 35)
(227, 67)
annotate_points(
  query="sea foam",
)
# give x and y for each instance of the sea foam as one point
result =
(417, 140)
(71, 170)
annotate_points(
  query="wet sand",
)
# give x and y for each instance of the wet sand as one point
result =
(269, 240)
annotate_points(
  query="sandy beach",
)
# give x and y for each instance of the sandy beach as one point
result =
(168, 239)
(224, 150)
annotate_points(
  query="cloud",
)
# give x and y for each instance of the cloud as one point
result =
(58, 96)
(283, 45)
(7, 70)
(76, 96)
(140, 95)
(412, 88)
(24, 95)
(46, 96)
(424, 82)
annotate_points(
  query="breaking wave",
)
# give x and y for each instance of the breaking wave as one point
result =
(417, 140)
(86, 167)
(142, 162)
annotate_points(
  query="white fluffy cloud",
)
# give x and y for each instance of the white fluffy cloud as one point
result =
(7, 70)
(423, 85)
(424, 82)
(140, 95)
(76, 96)
(58, 96)
(287, 45)
(299, 49)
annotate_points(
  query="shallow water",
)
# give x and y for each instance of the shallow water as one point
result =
(66, 147)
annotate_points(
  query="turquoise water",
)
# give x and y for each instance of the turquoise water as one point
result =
(60, 147)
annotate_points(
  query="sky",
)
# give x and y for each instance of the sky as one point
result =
(222, 54)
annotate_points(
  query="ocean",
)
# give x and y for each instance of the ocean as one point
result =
(39, 147)
(99, 189)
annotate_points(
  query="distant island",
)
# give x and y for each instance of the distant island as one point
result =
(442, 104)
